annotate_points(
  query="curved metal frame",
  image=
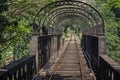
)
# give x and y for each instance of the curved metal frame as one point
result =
(63, 22)
(64, 11)
(51, 9)
(61, 16)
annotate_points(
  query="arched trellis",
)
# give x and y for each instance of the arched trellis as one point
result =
(66, 12)
(60, 16)
(73, 18)
(55, 16)
(49, 13)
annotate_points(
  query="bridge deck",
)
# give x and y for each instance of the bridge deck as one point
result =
(70, 66)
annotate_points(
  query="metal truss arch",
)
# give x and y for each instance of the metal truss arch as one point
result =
(49, 12)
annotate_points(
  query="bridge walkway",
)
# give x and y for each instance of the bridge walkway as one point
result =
(70, 66)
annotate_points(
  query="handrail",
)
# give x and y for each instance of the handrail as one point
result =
(109, 69)
(23, 69)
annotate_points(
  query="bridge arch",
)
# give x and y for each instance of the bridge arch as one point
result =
(48, 15)
(56, 15)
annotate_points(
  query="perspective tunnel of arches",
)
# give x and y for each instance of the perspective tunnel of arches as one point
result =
(58, 17)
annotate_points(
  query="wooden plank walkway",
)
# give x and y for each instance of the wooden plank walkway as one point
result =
(70, 66)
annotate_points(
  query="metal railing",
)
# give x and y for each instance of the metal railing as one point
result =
(23, 69)
(109, 69)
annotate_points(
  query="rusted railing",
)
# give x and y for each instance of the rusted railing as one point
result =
(109, 69)
(23, 69)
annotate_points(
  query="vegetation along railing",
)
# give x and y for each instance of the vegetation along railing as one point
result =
(109, 69)
(23, 69)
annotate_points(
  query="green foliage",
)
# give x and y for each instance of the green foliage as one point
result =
(3, 20)
(114, 3)
(16, 17)
(112, 26)
(115, 7)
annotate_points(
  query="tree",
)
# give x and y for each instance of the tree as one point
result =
(115, 7)
(110, 12)
(16, 18)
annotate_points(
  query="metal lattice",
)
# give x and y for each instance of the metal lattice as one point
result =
(54, 15)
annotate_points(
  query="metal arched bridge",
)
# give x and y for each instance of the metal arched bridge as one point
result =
(80, 56)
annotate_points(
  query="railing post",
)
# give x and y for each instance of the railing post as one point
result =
(61, 41)
(34, 49)
(102, 45)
